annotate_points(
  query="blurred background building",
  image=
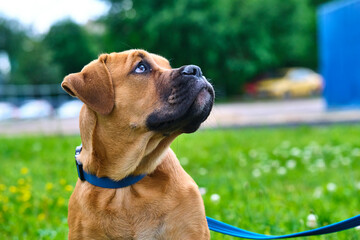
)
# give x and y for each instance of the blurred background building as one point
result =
(339, 42)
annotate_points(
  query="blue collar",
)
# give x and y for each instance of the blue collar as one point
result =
(103, 182)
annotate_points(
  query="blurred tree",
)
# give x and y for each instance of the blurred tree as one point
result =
(5, 67)
(11, 37)
(232, 40)
(70, 46)
(35, 65)
(30, 61)
(318, 2)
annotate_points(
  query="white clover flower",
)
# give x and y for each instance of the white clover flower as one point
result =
(285, 144)
(357, 185)
(311, 168)
(256, 173)
(355, 152)
(202, 190)
(334, 164)
(357, 228)
(311, 221)
(275, 163)
(318, 192)
(291, 164)
(253, 153)
(184, 161)
(337, 150)
(203, 171)
(306, 159)
(215, 197)
(320, 163)
(281, 171)
(266, 168)
(331, 187)
(295, 151)
(346, 161)
(242, 161)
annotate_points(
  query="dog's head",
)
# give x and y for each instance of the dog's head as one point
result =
(143, 91)
(136, 104)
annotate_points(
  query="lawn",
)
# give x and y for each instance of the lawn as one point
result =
(267, 180)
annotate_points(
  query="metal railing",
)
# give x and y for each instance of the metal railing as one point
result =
(18, 94)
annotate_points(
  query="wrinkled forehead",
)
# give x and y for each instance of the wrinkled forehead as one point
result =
(131, 57)
(161, 61)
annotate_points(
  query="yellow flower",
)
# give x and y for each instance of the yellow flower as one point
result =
(62, 181)
(69, 188)
(12, 189)
(60, 201)
(27, 186)
(24, 170)
(25, 196)
(49, 186)
(5, 208)
(21, 181)
(24, 207)
(41, 216)
(5, 199)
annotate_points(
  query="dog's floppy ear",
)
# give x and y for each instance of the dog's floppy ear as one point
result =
(93, 85)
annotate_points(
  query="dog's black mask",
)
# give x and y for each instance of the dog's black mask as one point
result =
(186, 102)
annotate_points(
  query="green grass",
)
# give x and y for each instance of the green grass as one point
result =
(267, 180)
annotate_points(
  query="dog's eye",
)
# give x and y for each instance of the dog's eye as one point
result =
(141, 68)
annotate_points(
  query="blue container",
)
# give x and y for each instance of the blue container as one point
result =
(339, 52)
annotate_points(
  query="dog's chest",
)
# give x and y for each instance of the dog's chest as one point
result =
(140, 230)
(117, 216)
(146, 232)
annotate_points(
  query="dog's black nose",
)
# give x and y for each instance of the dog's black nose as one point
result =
(191, 70)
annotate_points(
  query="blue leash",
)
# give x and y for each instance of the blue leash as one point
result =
(215, 225)
(220, 227)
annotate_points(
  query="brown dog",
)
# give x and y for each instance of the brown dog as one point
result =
(135, 106)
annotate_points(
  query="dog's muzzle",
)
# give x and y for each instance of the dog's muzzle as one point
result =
(186, 102)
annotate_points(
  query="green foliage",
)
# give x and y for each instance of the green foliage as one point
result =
(270, 180)
(36, 186)
(232, 40)
(11, 37)
(70, 46)
(35, 65)
(31, 61)
(264, 180)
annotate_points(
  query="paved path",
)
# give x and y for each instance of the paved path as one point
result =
(270, 113)
(291, 112)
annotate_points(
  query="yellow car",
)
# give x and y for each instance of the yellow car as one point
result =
(291, 82)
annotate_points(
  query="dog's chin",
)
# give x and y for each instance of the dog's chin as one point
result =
(186, 120)
(198, 111)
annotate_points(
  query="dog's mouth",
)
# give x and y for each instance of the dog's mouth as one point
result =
(199, 110)
(185, 108)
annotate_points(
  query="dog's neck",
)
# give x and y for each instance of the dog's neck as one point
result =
(120, 151)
